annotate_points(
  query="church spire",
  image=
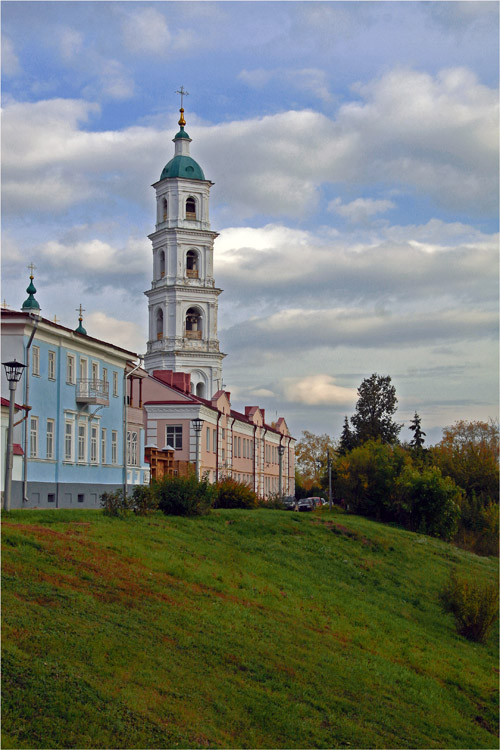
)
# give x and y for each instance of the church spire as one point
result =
(31, 303)
(80, 328)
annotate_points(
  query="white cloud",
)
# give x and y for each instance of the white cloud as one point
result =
(10, 60)
(313, 81)
(70, 43)
(146, 31)
(120, 332)
(360, 210)
(318, 389)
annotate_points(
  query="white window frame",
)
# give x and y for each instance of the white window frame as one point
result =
(34, 434)
(70, 368)
(115, 383)
(114, 447)
(50, 435)
(104, 434)
(35, 361)
(82, 442)
(95, 371)
(52, 365)
(69, 439)
(83, 368)
(208, 439)
(94, 443)
(132, 452)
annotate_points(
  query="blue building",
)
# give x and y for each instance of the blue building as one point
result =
(79, 438)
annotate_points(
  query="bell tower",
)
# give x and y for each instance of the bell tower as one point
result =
(183, 298)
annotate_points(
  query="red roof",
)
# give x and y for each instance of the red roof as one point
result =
(6, 402)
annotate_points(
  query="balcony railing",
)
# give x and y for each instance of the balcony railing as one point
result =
(92, 391)
(193, 334)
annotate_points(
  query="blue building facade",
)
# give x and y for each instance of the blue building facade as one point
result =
(79, 439)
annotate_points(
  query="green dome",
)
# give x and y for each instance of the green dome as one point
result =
(31, 303)
(182, 134)
(183, 166)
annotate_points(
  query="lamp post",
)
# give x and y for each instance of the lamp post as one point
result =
(197, 427)
(13, 371)
(281, 450)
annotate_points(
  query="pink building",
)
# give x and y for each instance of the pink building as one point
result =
(227, 442)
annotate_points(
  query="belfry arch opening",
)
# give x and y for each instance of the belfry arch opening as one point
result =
(162, 264)
(192, 264)
(165, 209)
(190, 208)
(159, 323)
(193, 323)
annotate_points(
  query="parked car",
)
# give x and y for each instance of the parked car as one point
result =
(306, 504)
(318, 501)
(290, 503)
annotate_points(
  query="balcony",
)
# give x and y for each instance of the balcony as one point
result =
(90, 391)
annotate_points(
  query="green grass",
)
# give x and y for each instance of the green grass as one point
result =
(241, 629)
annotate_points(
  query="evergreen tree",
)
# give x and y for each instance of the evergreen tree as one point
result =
(375, 407)
(417, 441)
(347, 442)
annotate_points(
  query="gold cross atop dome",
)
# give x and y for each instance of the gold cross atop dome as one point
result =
(31, 268)
(183, 93)
(80, 310)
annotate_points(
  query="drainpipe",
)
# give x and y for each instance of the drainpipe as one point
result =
(264, 462)
(219, 415)
(36, 320)
(254, 457)
(125, 421)
(232, 446)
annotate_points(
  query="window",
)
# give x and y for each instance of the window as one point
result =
(95, 371)
(190, 208)
(52, 365)
(82, 442)
(165, 209)
(83, 371)
(244, 447)
(162, 263)
(235, 446)
(239, 447)
(70, 369)
(81, 498)
(105, 374)
(35, 364)
(51, 498)
(50, 438)
(192, 264)
(173, 436)
(223, 433)
(208, 439)
(114, 447)
(115, 383)
(214, 442)
(103, 445)
(93, 443)
(132, 448)
(68, 441)
(159, 323)
(34, 437)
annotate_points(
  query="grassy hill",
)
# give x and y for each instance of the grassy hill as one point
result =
(239, 629)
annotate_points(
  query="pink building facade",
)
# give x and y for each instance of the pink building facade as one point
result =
(227, 443)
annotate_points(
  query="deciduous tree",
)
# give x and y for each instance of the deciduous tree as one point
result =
(311, 457)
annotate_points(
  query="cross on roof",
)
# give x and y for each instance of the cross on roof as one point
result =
(183, 93)
(32, 268)
(80, 310)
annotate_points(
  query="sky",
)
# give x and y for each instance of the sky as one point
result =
(353, 148)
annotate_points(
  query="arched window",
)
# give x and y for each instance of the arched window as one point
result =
(200, 390)
(162, 264)
(192, 264)
(190, 208)
(159, 323)
(193, 323)
(165, 209)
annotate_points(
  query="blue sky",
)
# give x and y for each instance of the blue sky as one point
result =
(354, 151)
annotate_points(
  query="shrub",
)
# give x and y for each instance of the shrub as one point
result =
(144, 499)
(184, 496)
(115, 504)
(473, 604)
(478, 528)
(428, 502)
(273, 501)
(230, 493)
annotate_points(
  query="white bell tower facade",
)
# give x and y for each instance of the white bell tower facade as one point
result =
(183, 298)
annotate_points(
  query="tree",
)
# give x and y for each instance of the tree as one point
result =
(347, 441)
(311, 457)
(375, 407)
(417, 442)
(468, 453)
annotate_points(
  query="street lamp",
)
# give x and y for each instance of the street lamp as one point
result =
(281, 451)
(197, 427)
(13, 371)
